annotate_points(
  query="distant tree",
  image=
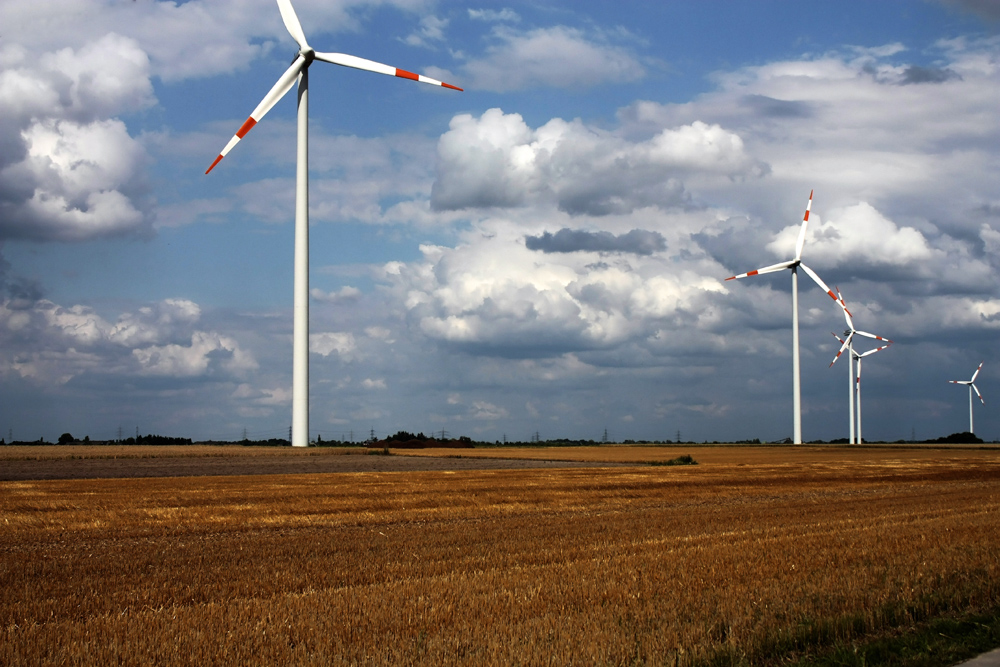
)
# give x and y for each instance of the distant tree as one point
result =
(66, 438)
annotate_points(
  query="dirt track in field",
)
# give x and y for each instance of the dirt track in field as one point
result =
(180, 466)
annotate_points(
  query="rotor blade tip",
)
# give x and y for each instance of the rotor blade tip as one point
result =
(217, 161)
(448, 85)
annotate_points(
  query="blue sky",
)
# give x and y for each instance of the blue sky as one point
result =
(544, 252)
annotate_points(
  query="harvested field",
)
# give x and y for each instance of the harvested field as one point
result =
(117, 462)
(752, 555)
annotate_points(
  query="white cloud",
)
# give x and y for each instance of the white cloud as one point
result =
(207, 349)
(68, 171)
(327, 343)
(44, 341)
(343, 295)
(858, 234)
(430, 32)
(498, 161)
(505, 14)
(486, 411)
(494, 294)
(557, 57)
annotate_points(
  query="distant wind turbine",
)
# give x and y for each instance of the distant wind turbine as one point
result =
(299, 71)
(971, 387)
(856, 382)
(848, 344)
(794, 265)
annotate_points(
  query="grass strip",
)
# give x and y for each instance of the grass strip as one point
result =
(939, 642)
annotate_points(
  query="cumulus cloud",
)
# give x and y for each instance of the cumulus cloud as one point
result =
(206, 351)
(69, 171)
(430, 32)
(858, 234)
(637, 241)
(498, 161)
(45, 342)
(496, 296)
(325, 344)
(556, 57)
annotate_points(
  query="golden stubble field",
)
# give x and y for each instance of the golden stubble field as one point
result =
(754, 553)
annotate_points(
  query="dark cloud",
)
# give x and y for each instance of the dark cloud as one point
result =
(637, 241)
(773, 108)
(739, 245)
(917, 74)
(987, 9)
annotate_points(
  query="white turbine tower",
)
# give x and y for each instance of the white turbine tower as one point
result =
(856, 380)
(848, 344)
(299, 71)
(971, 387)
(794, 265)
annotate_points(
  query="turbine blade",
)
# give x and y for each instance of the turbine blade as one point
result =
(843, 347)
(870, 335)
(979, 395)
(877, 349)
(372, 66)
(816, 279)
(802, 230)
(977, 371)
(292, 23)
(283, 85)
(843, 306)
(766, 269)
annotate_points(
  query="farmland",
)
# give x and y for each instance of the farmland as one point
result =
(752, 555)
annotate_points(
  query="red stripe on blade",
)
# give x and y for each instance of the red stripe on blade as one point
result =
(246, 127)
(403, 74)
(448, 85)
(217, 161)
(753, 273)
(806, 217)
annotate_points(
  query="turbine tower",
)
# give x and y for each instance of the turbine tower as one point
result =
(971, 387)
(299, 71)
(853, 385)
(856, 380)
(794, 265)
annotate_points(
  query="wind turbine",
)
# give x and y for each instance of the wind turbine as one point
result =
(848, 344)
(299, 71)
(794, 265)
(971, 387)
(856, 380)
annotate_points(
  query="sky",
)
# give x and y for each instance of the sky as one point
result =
(542, 255)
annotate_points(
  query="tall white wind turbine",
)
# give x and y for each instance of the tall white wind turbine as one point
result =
(794, 265)
(971, 387)
(299, 71)
(848, 345)
(856, 380)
